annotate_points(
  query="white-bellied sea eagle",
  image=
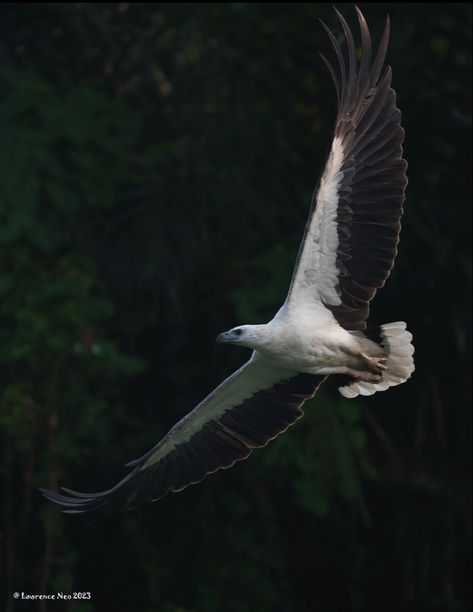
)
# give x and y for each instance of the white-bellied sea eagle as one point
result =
(346, 255)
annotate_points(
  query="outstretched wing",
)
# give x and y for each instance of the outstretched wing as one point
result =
(351, 237)
(250, 408)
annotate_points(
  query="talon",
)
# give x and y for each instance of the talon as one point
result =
(382, 363)
(370, 377)
(376, 364)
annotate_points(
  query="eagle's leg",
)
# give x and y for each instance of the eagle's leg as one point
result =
(375, 364)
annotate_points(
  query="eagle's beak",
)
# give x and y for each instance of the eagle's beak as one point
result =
(223, 337)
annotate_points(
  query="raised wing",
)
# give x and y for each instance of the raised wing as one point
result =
(351, 236)
(250, 408)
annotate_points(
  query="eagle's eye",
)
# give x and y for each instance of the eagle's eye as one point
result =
(238, 332)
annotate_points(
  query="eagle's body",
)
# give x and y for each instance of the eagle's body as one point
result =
(346, 255)
(299, 341)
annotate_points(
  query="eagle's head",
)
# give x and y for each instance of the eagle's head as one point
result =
(251, 336)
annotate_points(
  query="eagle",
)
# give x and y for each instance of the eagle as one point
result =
(346, 255)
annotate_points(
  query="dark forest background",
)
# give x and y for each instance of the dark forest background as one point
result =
(157, 163)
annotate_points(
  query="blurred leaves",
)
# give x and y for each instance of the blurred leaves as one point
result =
(60, 154)
(324, 459)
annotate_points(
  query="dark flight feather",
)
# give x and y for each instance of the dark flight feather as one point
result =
(371, 193)
(217, 445)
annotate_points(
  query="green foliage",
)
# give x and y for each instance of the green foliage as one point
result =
(324, 458)
(61, 154)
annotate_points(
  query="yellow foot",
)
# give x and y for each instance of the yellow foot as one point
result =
(365, 375)
(375, 364)
(369, 377)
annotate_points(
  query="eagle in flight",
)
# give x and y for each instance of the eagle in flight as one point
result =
(346, 255)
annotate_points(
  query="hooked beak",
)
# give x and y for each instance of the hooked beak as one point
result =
(223, 338)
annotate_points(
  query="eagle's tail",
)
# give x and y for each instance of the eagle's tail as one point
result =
(396, 342)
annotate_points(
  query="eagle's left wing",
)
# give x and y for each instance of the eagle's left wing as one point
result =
(351, 236)
(250, 408)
